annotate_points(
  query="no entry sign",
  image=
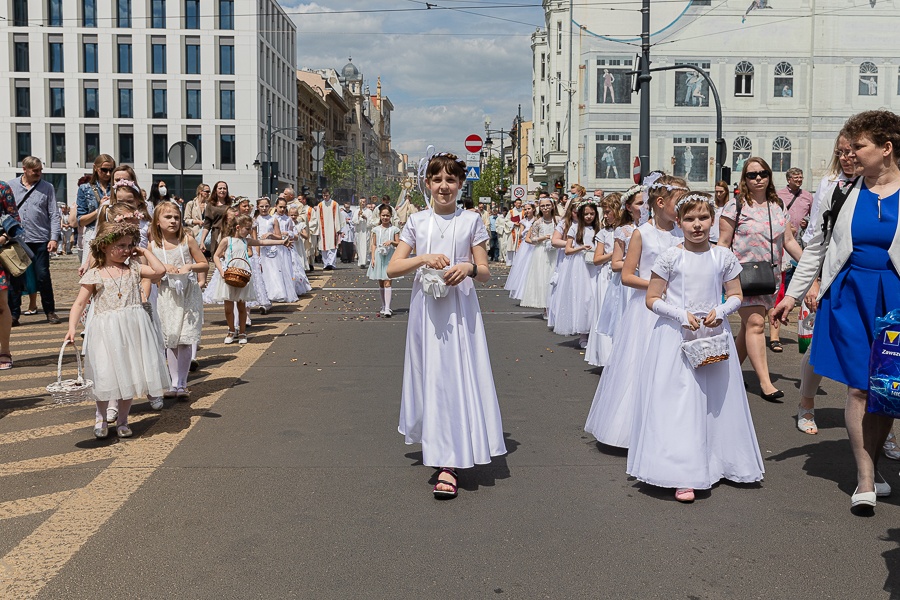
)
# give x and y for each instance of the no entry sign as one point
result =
(473, 143)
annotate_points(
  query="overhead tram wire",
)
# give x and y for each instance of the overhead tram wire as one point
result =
(432, 6)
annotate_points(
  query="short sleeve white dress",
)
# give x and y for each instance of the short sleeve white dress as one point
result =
(378, 265)
(575, 287)
(534, 291)
(448, 404)
(599, 345)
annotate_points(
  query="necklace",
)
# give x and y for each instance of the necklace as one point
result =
(449, 223)
(117, 282)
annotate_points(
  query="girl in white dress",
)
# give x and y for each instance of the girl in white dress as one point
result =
(232, 251)
(618, 295)
(276, 273)
(449, 403)
(288, 257)
(599, 345)
(612, 410)
(302, 236)
(576, 275)
(123, 351)
(533, 292)
(179, 302)
(523, 253)
(558, 241)
(692, 426)
(259, 284)
(384, 239)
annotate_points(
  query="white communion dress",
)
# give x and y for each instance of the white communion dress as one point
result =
(618, 295)
(521, 262)
(553, 298)
(179, 303)
(289, 260)
(575, 287)
(535, 287)
(276, 267)
(599, 344)
(692, 427)
(449, 403)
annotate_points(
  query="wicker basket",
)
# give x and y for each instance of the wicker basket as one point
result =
(70, 390)
(236, 276)
(707, 350)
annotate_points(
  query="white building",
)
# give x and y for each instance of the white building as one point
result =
(130, 78)
(788, 73)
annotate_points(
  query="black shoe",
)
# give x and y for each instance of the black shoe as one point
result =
(194, 366)
(310, 269)
(777, 394)
(329, 268)
(15, 322)
(53, 319)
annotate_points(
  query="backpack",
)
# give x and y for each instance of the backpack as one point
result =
(838, 197)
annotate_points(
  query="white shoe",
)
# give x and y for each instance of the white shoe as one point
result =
(112, 414)
(882, 488)
(864, 499)
(891, 450)
(242, 339)
(387, 313)
(229, 337)
(156, 403)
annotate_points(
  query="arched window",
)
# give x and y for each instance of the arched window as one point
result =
(784, 80)
(743, 79)
(741, 150)
(868, 79)
(781, 154)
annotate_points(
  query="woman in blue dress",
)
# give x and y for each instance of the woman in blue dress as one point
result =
(858, 262)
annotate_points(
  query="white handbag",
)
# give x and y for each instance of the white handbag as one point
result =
(433, 282)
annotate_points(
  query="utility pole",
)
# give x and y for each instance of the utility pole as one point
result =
(571, 87)
(519, 147)
(267, 187)
(644, 81)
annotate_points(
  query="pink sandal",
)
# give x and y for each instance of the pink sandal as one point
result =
(684, 495)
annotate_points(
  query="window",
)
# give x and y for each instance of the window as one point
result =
(559, 37)
(91, 143)
(91, 100)
(58, 146)
(160, 149)
(192, 14)
(54, 13)
(226, 56)
(160, 104)
(89, 13)
(126, 145)
(158, 14)
(226, 14)
(543, 111)
(226, 104)
(126, 100)
(743, 79)
(612, 156)
(556, 143)
(192, 101)
(781, 154)
(741, 150)
(23, 142)
(23, 99)
(124, 56)
(89, 50)
(558, 87)
(613, 81)
(57, 99)
(227, 148)
(691, 153)
(123, 13)
(158, 56)
(21, 63)
(192, 56)
(194, 138)
(868, 79)
(898, 82)
(20, 13)
(55, 56)
(784, 80)
(543, 66)
(691, 88)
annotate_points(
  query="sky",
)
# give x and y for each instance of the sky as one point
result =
(445, 69)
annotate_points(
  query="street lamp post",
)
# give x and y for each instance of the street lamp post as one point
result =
(267, 171)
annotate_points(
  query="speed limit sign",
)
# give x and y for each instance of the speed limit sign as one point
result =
(519, 192)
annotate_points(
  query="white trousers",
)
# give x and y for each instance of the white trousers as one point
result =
(328, 257)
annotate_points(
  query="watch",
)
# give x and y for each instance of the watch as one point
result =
(474, 271)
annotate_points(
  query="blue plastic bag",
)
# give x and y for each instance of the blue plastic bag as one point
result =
(884, 367)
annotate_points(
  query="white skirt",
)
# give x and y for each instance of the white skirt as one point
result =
(180, 315)
(277, 273)
(125, 355)
(563, 263)
(612, 410)
(536, 284)
(576, 289)
(692, 427)
(613, 308)
(449, 404)
(218, 291)
(599, 345)
(519, 269)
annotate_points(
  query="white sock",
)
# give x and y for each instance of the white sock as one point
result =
(184, 365)
(387, 298)
(194, 351)
(172, 363)
(382, 294)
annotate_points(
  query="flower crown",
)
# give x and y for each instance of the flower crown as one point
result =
(630, 193)
(132, 215)
(127, 183)
(694, 197)
(669, 187)
(114, 232)
(587, 202)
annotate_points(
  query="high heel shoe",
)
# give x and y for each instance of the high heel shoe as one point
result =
(776, 395)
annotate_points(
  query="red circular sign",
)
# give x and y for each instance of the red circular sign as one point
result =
(473, 143)
(636, 171)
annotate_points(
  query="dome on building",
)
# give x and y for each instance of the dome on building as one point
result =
(350, 72)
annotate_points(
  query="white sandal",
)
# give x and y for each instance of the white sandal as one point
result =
(807, 425)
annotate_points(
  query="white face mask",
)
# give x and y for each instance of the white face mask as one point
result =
(163, 191)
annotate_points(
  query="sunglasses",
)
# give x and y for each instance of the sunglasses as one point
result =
(757, 174)
(105, 170)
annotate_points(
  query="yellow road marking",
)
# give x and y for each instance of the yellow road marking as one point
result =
(42, 554)
(26, 435)
(32, 506)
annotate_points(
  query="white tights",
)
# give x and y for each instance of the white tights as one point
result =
(385, 298)
(123, 406)
(179, 360)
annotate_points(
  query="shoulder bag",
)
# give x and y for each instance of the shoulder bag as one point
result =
(758, 277)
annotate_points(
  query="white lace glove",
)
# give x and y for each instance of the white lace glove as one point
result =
(731, 305)
(663, 309)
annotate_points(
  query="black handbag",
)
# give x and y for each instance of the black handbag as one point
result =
(758, 277)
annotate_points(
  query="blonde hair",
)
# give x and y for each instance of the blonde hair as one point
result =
(156, 231)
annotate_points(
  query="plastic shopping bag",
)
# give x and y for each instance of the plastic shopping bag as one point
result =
(884, 367)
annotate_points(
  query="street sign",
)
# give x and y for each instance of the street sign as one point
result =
(473, 157)
(318, 137)
(474, 143)
(519, 192)
(473, 173)
(318, 152)
(182, 155)
(484, 200)
(636, 172)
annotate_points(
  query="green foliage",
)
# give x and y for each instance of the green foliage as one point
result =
(493, 176)
(344, 171)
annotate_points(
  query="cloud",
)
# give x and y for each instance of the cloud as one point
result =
(442, 86)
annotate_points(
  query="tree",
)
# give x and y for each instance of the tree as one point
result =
(493, 179)
(347, 171)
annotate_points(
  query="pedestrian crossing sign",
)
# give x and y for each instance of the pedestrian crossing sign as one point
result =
(473, 173)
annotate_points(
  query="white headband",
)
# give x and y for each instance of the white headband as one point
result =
(690, 197)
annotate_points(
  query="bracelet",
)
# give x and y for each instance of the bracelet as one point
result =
(474, 270)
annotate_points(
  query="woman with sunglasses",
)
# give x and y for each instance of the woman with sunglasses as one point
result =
(859, 269)
(762, 234)
(91, 195)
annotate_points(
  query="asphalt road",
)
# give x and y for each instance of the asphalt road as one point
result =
(286, 478)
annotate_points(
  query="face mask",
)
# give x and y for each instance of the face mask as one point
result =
(163, 191)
